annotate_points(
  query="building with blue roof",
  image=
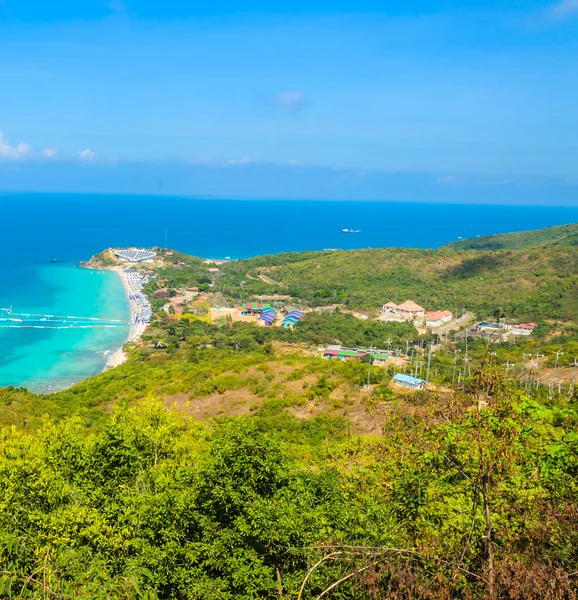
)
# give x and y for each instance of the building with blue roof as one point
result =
(291, 318)
(415, 383)
(268, 317)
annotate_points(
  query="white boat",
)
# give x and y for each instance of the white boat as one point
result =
(350, 230)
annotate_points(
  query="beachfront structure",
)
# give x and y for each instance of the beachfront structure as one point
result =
(135, 282)
(407, 311)
(135, 256)
(436, 318)
(407, 381)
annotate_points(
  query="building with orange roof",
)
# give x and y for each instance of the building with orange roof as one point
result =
(407, 311)
(435, 318)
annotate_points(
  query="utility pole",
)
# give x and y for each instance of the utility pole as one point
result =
(524, 360)
(454, 372)
(492, 354)
(428, 363)
(371, 349)
(531, 375)
(558, 354)
(398, 351)
(406, 353)
(524, 370)
(574, 364)
(538, 357)
(466, 359)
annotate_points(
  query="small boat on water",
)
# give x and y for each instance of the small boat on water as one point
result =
(351, 230)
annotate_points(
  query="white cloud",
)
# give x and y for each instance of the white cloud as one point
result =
(241, 161)
(293, 101)
(87, 154)
(564, 9)
(295, 163)
(23, 148)
(50, 152)
(449, 180)
(8, 151)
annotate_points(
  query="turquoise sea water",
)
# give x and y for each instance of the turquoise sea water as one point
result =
(44, 360)
(35, 228)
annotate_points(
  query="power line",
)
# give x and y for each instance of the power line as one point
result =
(558, 354)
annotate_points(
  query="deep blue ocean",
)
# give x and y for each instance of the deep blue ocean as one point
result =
(35, 228)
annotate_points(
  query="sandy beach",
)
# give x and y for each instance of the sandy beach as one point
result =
(119, 356)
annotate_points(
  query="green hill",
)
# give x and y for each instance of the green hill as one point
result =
(231, 462)
(528, 284)
(564, 235)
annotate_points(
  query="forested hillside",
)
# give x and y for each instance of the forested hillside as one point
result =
(452, 501)
(564, 235)
(527, 284)
(227, 461)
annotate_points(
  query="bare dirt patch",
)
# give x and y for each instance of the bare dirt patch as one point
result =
(232, 403)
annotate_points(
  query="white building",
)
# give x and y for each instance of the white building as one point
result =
(407, 311)
(435, 318)
(415, 383)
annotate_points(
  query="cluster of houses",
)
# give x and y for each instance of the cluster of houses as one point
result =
(379, 358)
(260, 313)
(489, 329)
(341, 353)
(268, 316)
(418, 315)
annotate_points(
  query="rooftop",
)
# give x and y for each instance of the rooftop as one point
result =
(408, 379)
(436, 315)
(410, 305)
(135, 255)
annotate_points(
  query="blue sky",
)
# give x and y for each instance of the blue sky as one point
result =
(439, 100)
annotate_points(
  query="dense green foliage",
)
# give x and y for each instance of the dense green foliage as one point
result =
(226, 461)
(529, 284)
(153, 504)
(182, 270)
(564, 235)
